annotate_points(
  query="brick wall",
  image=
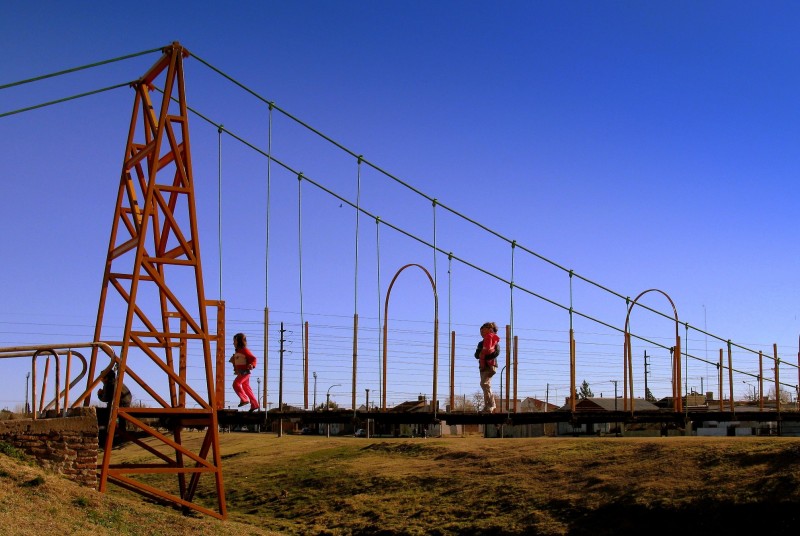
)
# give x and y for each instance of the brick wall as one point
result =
(64, 445)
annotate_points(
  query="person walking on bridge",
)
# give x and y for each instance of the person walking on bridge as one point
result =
(487, 353)
(243, 362)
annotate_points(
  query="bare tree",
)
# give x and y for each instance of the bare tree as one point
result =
(462, 403)
(477, 400)
(786, 396)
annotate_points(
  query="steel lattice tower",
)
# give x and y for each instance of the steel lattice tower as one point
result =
(153, 272)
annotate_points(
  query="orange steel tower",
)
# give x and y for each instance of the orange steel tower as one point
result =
(153, 273)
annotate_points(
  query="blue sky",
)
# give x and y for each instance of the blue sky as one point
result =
(640, 144)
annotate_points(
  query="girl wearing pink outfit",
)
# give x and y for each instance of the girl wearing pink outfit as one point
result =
(243, 362)
(487, 353)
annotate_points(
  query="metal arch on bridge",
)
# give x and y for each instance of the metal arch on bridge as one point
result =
(435, 333)
(627, 364)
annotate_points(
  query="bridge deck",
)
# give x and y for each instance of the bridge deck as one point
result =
(233, 417)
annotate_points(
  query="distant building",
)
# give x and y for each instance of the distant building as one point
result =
(601, 404)
(534, 404)
(527, 405)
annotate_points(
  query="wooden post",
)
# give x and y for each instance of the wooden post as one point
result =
(777, 378)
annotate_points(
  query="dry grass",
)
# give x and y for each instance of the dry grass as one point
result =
(352, 486)
(317, 485)
(36, 503)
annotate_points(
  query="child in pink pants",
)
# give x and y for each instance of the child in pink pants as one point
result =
(243, 362)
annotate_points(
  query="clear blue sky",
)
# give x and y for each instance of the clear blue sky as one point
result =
(640, 144)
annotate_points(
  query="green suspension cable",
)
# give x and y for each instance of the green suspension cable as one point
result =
(65, 99)
(76, 69)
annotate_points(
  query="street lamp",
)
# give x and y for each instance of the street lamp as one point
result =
(328, 396)
(328, 405)
(615, 402)
(754, 389)
(615, 393)
(27, 404)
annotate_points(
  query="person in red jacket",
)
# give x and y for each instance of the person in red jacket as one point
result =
(487, 353)
(243, 362)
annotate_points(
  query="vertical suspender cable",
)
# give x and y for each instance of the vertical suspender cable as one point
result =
(358, 213)
(435, 284)
(570, 299)
(269, 210)
(266, 260)
(685, 367)
(380, 323)
(450, 342)
(511, 285)
(435, 280)
(572, 364)
(219, 204)
(300, 264)
(510, 336)
(449, 293)
(355, 287)
(219, 225)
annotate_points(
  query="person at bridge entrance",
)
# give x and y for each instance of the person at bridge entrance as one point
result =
(487, 353)
(243, 362)
(106, 394)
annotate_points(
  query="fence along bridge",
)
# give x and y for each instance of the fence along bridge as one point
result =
(154, 278)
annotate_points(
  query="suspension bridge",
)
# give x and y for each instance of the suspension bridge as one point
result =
(354, 285)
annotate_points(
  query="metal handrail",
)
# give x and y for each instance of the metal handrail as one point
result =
(56, 350)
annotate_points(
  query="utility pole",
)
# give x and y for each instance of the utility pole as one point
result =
(646, 373)
(615, 393)
(315, 391)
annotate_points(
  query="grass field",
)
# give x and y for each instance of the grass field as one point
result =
(346, 485)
